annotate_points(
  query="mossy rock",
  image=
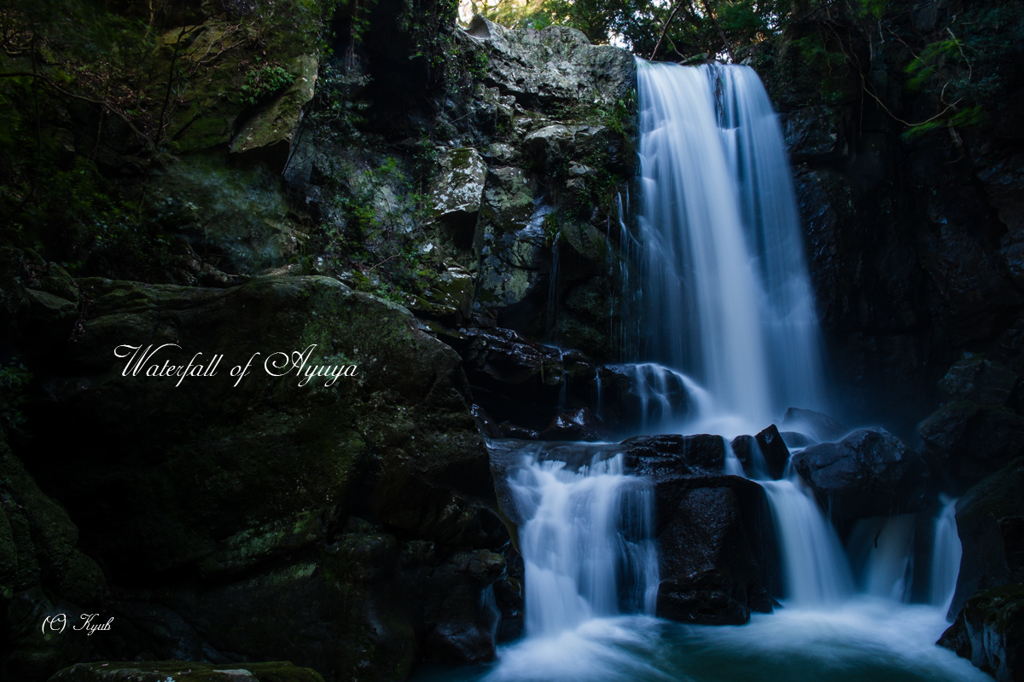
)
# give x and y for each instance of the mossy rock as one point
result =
(990, 521)
(178, 468)
(267, 134)
(990, 632)
(253, 489)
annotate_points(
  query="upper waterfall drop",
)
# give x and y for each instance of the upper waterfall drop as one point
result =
(727, 293)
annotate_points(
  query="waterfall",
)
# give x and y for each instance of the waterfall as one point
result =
(720, 319)
(728, 299)
(758, 161)
(945, 557)
(814, 567)
(883, 549)
(587, 543)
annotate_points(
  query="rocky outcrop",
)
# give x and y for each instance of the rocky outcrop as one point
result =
(990, 523)
(989, 631)
(345, 522)
(555, 65)
(868, 473)
(268, 133)
(562, 146)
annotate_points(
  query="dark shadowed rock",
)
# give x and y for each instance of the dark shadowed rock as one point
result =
(579, 425)
(989, 631)
(716, 550)
(776, 454)
(745, 447)
(484, 424)
(965, 441)
(979, 380)
(510, 430)
(868, 473)
(978, 429)
(519, 381)
(762, 456)
(42, 573)
(990, 523)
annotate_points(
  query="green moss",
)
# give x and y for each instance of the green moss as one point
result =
(1002, 608)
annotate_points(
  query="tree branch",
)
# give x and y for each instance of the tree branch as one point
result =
(664, 29)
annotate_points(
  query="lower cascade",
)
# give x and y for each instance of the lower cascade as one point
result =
(726, 334)
(587, 545)
(814, 566)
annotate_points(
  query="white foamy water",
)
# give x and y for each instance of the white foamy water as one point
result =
(945, 557)
(815, 569)
(862, 639)
(587, 543)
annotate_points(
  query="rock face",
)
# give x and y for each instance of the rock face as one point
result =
(913, 241)
(977, 430)
(558, 118)
(716, 543)
(557, 64)
(868, 473)
(990, 632)
(458, 192)
(358, 511)
(990, 523)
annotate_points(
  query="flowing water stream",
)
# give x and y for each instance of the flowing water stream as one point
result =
(726, 320)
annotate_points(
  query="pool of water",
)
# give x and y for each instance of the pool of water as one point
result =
(863, 640)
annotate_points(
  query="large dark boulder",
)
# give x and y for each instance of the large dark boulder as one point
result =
(715, 550)
(990, 632)
(981, 381)
(716, 544)
(990, 523)
(966, 441)
(262, 511)
(868, 473)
